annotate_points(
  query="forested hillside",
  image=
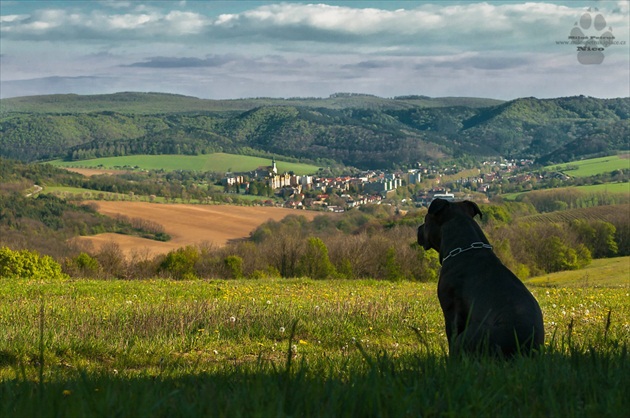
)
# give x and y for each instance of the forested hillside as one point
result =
(356, 130)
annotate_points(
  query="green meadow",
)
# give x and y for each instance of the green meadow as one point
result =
(612, 188)
(219, 162)
(300, 347)
(593, 166)
(606, 188)
(604, 272)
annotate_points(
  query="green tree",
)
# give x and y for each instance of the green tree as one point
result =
(554, 255)
(314, 263)
(180, 264)
(598, 236)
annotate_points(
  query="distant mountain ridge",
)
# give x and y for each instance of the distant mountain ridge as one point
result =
(358, 130)
(155, 103)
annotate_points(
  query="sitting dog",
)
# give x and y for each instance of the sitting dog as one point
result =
(487, 309)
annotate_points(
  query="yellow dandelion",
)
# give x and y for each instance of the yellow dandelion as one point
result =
(67, 392)
(303, 342)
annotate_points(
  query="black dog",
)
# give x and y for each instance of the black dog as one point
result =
(486, 307)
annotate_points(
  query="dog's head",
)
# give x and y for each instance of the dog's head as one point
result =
(440, 211)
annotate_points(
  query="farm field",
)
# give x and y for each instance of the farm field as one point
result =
(219, 162)
(296, 347)
(593, 166)
(89, 172)
(187, 224)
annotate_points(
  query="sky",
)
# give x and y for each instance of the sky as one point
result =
(237, 49)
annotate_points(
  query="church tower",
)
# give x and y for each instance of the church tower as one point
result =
(274, 169)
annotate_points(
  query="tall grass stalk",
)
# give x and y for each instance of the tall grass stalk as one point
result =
(41, 347)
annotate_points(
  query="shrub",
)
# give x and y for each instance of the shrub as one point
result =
(269, 272)
(83, 265)
(392, 269)
(428, 264)
(25, 264)
(234, 266)
(180, 264)
(113, 260)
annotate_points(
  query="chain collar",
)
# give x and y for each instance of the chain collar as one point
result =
(474, 246)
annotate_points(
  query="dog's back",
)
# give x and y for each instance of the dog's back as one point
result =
(495, 311)
(486, 307)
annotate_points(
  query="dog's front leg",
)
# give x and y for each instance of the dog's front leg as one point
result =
(449, 309)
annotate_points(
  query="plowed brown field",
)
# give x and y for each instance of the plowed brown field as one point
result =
(188, 224)
(89, 172)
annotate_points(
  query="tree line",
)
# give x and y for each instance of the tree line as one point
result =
(358, 137)
(372, 242)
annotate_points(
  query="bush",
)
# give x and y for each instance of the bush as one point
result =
(269, 273)
(180, 264)
(234, 266)
(392, 269)
(25, 264)
(83, 265)
(113, 261)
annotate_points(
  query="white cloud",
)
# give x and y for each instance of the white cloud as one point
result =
(125, 22)
(296, 26)
(185, 22)
(12, 18)
(291, 49)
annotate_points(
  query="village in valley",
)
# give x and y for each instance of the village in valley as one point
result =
(419, 185)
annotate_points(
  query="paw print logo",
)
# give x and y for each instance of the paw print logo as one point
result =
(592, 44)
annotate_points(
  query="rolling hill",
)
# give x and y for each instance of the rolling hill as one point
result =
(161, 103)
(356, 130)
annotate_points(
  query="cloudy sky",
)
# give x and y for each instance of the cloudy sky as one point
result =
(234, 49)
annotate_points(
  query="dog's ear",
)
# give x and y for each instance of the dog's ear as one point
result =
(437, 206)
(472, 209)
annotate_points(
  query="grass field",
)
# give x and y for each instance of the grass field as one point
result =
(219, 162)
(602, 213)
(606, 272)
(593, 166)
(297, 348)
(606, 188)
(613, 188)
